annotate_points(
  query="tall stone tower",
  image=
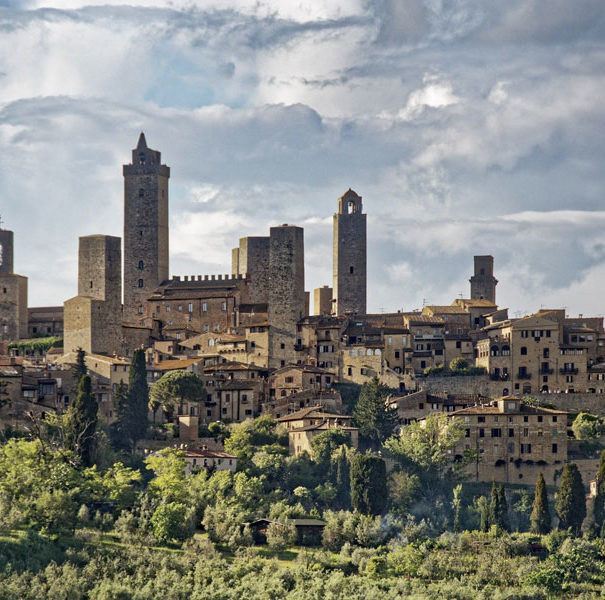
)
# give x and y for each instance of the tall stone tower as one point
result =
(286, 304)
(93, 319)
(145, 228)
(350, 256)
(252, 259)
(13, 293)
(483, 282)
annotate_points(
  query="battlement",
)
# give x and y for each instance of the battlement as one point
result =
(191, 278)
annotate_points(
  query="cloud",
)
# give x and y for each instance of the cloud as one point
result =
(467, 127)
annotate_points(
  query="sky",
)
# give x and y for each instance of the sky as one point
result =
(468, 127)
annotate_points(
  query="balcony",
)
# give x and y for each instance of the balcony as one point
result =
(499, 377)
(568, 371)
(523, 375)
(544, 371)
(299, 347)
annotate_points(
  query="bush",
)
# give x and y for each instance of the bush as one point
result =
(171, 522)
(281, 535)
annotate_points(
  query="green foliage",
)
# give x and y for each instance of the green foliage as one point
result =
(599, 501)
(570, 500)
(281, 534)
(174, 388)
(374, 417)
(82, 422)
(368, 484)
(498, 508)
(428, 446)
(587, 427)
(404, 490)
(434, 371)
(540, 514)
(170, 523)
(458, 364)
(341, 475)
(457, 505)
(79, 369)
(169, 483)
(38, 345)
(325, 444)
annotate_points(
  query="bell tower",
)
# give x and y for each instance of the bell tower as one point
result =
(145, 228)
(349, 256)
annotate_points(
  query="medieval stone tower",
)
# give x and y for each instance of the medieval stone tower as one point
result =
(145, 228)
(483, 282)
(252, 258)
(13, 293)
(286, 304)
(93, 319)
(350, 250)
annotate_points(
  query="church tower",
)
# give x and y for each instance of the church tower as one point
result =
(145, 228)
(483, 282)
(350, 256)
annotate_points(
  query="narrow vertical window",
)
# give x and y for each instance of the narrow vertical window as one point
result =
(140, 283)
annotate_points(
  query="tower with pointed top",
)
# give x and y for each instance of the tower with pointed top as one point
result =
(145, 228)
(350, 256)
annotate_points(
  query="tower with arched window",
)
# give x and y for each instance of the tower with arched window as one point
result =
(145, 228)
(349, 256)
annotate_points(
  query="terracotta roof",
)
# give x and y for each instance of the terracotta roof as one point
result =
(173, 365)
(323, 425)
(208, 454)
(446, 310)
(305, 412)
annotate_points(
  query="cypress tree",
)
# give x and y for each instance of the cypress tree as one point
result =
(503, 505)
(599, 501)
(79, 370)
(540, 514)
(82, 422)
(342, 478)
(368, 484)
(138, 399)
(494, 506)
(570, 503)
(119, 439)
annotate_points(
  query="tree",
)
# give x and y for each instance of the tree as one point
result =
(599, 501)
(404, 489)
(281, 535)
(132, 404)
(82, 422)
(79, 369)
(169, 522)
(324, 445)
(457, 505)
(540, 514)
(570, 501)
(427, 447)
(169, 483)
(587, 427)
(174, 388)
(368, 484)
(458, 364)
(483, 508)
(373, 415)
(341, 468)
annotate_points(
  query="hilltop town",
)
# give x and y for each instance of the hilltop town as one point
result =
(261, 347)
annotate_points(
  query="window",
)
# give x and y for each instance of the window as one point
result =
(481, 433)
(168, 308)
(141, 190)
(467, 433)
(545, 353)
(496, 433)
(141, 265)
(540, 418)
(480, 419)
(554, 448)
(141, 283)
(523, 350)
(511, 433)
(349, 371)
(180, 308)
(458, 344)
(526, 419)
(140, 309)
(351, 270)
(204, 307)
(289, 379)
(554, 419)
(525, 448)
(525, 432)
(190, 307)
(282, 346)
(224, 306)
(206, 327)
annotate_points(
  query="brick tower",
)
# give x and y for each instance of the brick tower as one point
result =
(350, 250)
(13, 293)
(483, 282)
(145, 228)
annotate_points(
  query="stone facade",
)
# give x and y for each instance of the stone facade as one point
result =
(45, 321)
(350, 256)
(145, 228)
(322, 301)
(251, 259)
(483, 282)
(286, 292)
(93, 319)
(13, 293)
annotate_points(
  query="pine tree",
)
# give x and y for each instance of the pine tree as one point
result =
(368, 484)
(138, 399)
(78, 370)
(82, 422)
(599, 501)
(570, 503)
(372, 414)
(540, 514)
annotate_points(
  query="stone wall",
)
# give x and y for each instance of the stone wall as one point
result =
(13, 307)
(253, 261)
(6, 252)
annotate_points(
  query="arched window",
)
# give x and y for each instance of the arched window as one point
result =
(523, 350)
(141, 284)
(369, 352)
(526, 388)
(505, 392)
(141, 192)
(494, 351)
(505, 350)
(377, 352)
(141, 265)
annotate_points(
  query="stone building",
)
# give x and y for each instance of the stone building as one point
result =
(513, 442)
(350, 256)
(322, 301)
(251, 260)
(45, 321)
(93, 319)
(483, 282)
(13, 293)
(286, 302)
(145, 228)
